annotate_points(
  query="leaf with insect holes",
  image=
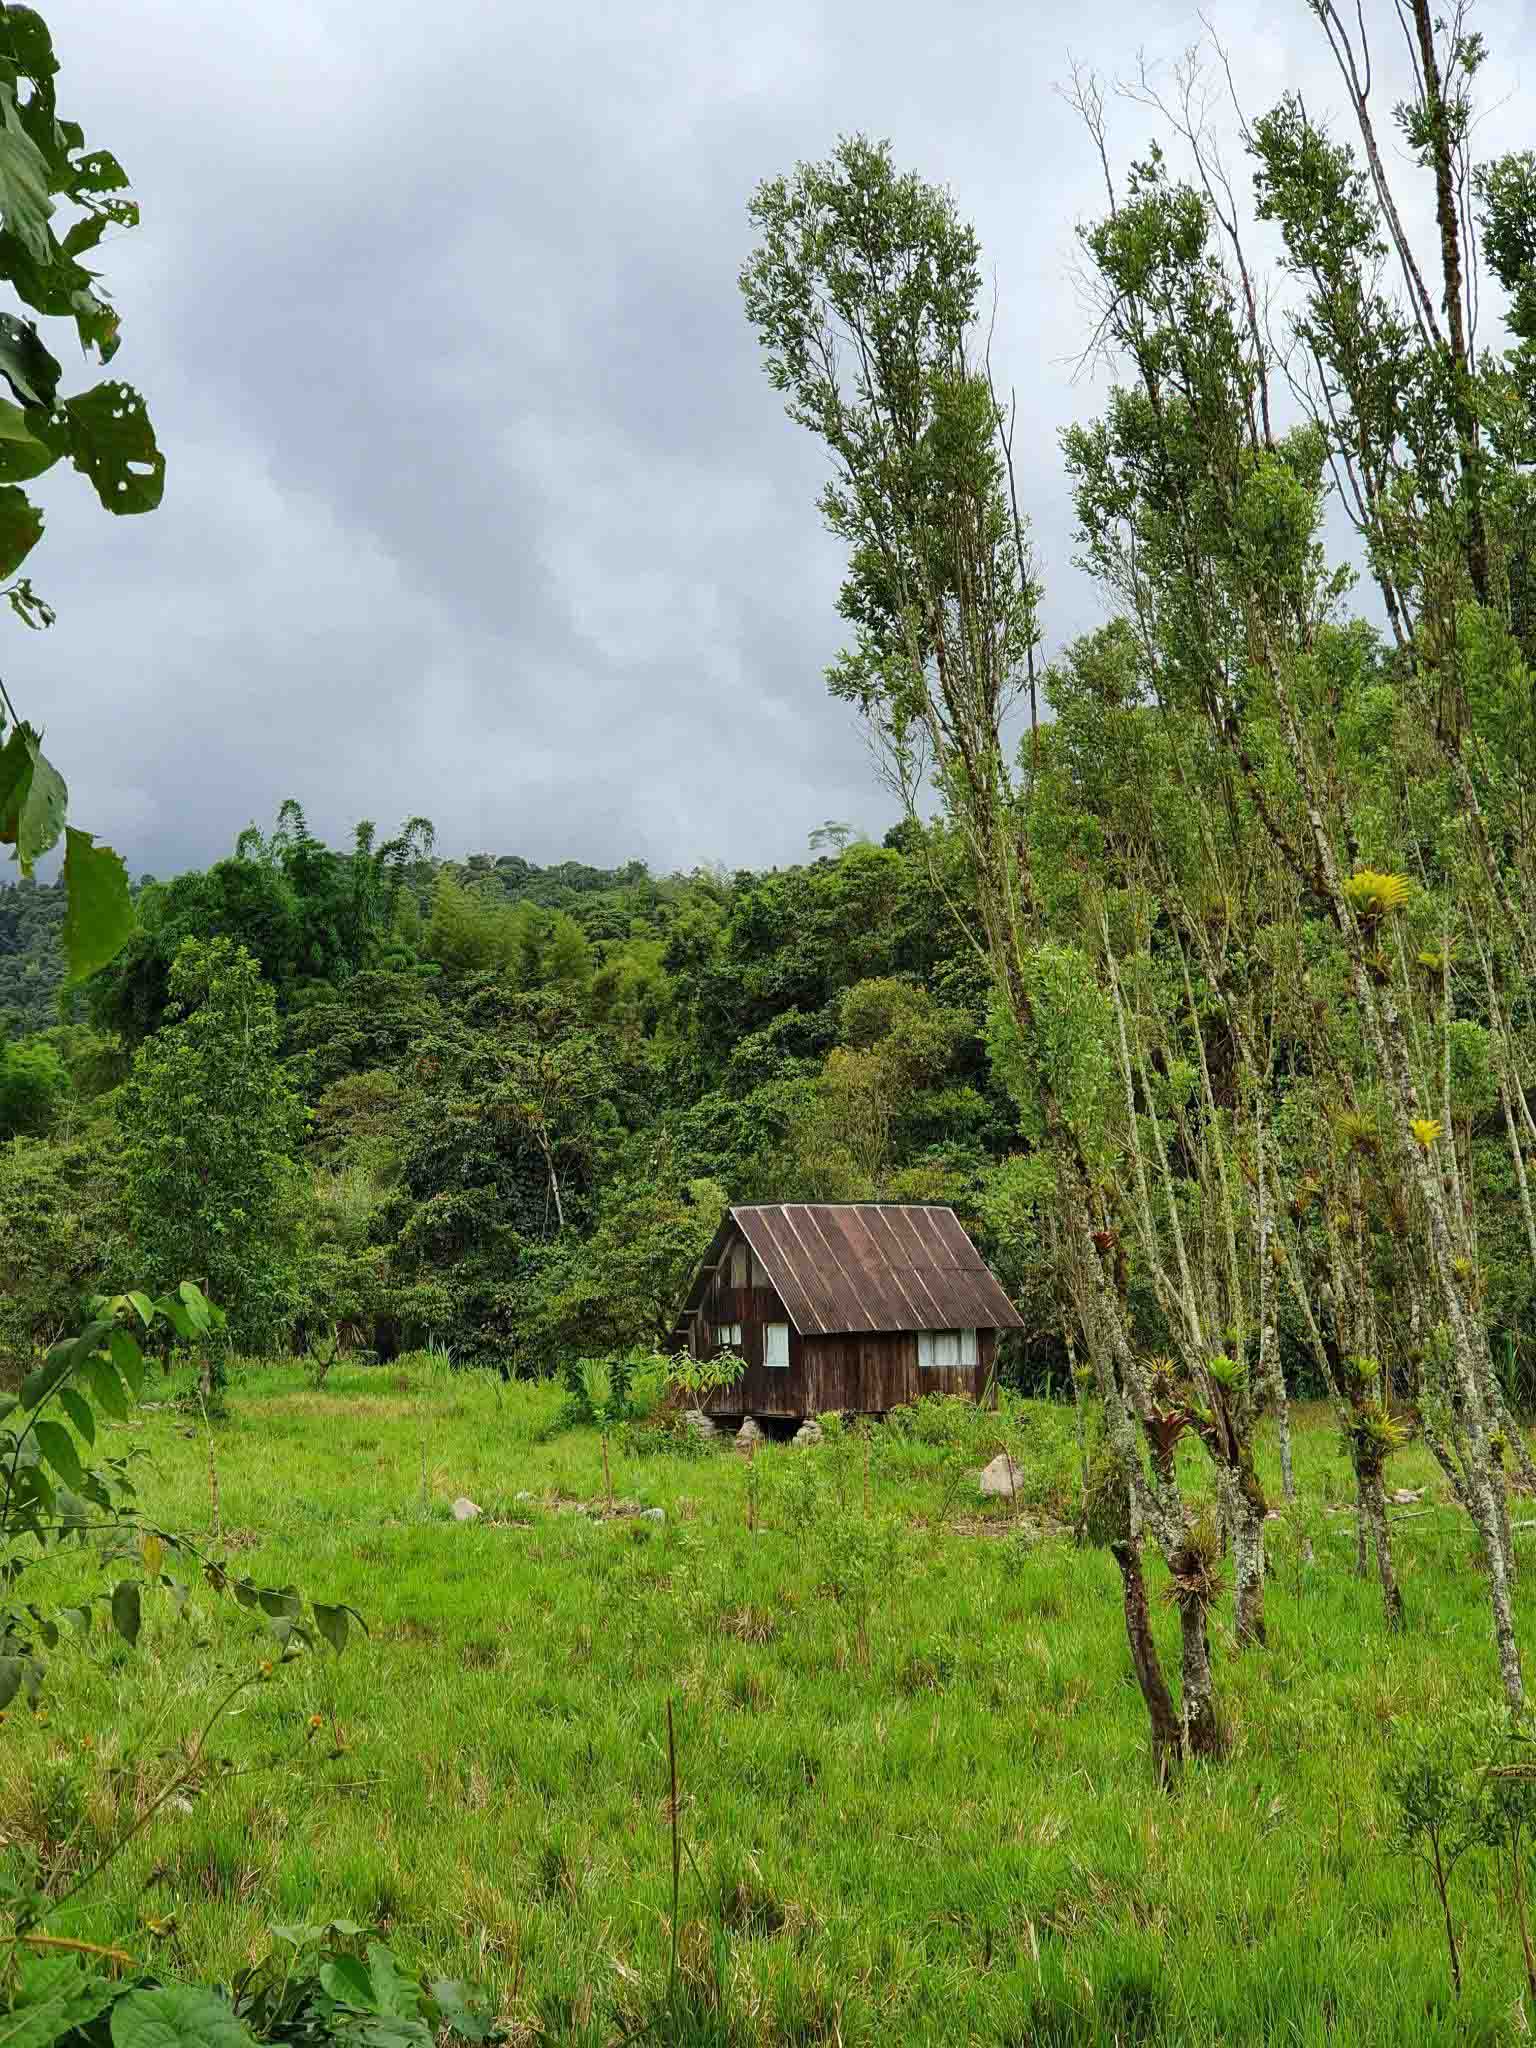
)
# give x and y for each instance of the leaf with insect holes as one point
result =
(126, 1613)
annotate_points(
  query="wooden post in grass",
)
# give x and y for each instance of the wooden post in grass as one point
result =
(677, 1854)
(607, 1475)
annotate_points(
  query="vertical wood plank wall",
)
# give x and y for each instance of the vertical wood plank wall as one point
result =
(857, 1373)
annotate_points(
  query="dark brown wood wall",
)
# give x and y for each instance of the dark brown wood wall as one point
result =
(854, 1374)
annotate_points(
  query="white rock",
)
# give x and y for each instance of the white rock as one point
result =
(1001, 1477)
(809, 1432)
(653, 1514)
(701, 1424)
(464, 1510)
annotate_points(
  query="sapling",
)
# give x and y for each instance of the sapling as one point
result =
(1439, 1810)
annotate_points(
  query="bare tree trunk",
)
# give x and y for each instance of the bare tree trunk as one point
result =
(1244, 1508)
(1197, 1704)
(1167, 1736)
(1373, 1512)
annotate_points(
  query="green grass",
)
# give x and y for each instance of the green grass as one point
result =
(949, 1834)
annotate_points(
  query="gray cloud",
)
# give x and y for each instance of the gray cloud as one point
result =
(478, 503)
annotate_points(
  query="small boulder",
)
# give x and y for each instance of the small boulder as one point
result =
(464, 1510)
(1001, 1478)
(1405, 1496)
(749, 1434)
(524, 1495)
(701, 1425)
(653, 1514)
(809, 1432)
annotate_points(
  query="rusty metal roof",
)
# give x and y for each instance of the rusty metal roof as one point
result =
(844, 1266)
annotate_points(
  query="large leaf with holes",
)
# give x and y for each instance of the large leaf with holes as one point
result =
(109, 439)
(98, 910)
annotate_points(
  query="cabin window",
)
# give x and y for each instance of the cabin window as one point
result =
(759, 1277)
(940, 1350)
(776, 1344)
(739, 1259)
(728, 1336)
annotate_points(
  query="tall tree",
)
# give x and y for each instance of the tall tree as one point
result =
(212, 1126)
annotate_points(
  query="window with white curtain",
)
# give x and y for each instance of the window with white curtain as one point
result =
(776, 1344)
(943, 1350)
(727, 1336)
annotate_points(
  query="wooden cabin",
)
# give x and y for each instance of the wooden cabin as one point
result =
(850, 1307)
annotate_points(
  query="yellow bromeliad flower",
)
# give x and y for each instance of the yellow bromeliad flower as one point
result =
(1426, 1129)
(1374, 895)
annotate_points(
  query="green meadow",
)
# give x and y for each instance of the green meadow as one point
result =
(914, 1795)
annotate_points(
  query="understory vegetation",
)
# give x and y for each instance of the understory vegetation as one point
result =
(914, 1782)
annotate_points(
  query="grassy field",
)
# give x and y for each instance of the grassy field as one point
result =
(922, 1815)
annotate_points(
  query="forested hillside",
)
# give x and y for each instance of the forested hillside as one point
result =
(518, 1095)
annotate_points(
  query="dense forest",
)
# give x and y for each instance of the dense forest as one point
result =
(515, 1098)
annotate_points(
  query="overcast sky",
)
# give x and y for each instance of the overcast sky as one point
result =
(478, 503)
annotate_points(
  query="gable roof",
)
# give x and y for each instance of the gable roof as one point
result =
(840, 1267)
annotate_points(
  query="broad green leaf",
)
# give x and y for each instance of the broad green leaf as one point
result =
(22, 455)
(58, 1447)
(26, 365)
(79, 1618)
(25, 41)
(53, 1996)
(109, 439)
(107, 1388)
(126, 1615)
(198, 1306)
(281, 1601)
(143, 1307)
(24, 201)
(348, 1981)
(21, 528)
(38, 1385)
(78, 1409)
(332, 1624)
(7, 1403)
(178, 2016)
(73, 1511)
(99, 171)
(152, 1550)
(128, 1359)
(98, 914)
(32, 792)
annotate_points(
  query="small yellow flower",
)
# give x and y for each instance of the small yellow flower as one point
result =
(1426, 1129)
(317, 1720)
(266, 1667)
